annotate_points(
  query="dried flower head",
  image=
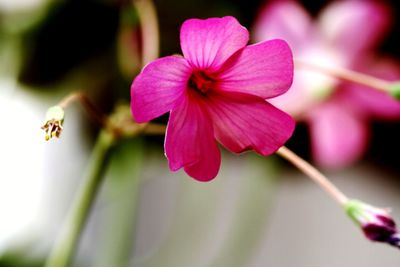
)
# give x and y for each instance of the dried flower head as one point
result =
(53, 125)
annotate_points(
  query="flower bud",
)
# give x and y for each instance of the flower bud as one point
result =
(376, 223)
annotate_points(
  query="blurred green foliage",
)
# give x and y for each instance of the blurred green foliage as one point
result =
(19, 259)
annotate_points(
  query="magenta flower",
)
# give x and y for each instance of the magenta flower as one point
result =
(217, 91)
(344, 35)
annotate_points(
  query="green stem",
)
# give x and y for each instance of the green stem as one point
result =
(121, 197)
(64, 248)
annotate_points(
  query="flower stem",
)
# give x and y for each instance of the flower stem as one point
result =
(347, 75)
(64, 248)
(149, 27)
(89, 107)
(314, 174)
(121, 187)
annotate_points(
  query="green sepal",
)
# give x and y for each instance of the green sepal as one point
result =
(354, 209)
(55, 113)
(394, 90)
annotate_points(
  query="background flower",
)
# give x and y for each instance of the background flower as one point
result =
(337, 113)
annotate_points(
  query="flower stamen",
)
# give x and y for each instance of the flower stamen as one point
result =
(201, 82)
(53, 128)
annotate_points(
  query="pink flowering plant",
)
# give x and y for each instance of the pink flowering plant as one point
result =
(216, 91)
(223, 91)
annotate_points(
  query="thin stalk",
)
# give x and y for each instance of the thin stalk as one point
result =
(65, 246)
(347, 75)
(149, 29)
(314, 174)
(89, 107)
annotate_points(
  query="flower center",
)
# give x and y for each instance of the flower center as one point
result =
(201, 82)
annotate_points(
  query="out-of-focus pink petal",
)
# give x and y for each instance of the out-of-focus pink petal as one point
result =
(208, 43)
(158, 86)
(286, 20)
(264, 69)
(243, 122)
(338, 137)
(189, 141)
(353, 26)
(371, 102)
(309, 87)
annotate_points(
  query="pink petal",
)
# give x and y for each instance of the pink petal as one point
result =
(156, 89)
(371, 102)
(338, 137)
(353, 26)
(243, 122)
(285, 20)
(189, 141)
(264, 69)
(309, 87)
(206, 44)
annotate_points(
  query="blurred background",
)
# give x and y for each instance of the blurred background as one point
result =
(257, 212)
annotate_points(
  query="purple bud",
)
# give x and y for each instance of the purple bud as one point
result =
(394, 240)
(376, 223)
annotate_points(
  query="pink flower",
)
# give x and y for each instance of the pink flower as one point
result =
(344, 35)
(217, 91)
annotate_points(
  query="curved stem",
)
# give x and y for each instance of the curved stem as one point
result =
(149, 27)
(314, 174)
(347, 75)
(64, 248)
(89, 107)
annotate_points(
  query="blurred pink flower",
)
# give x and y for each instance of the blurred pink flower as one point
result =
(343, 36)
(217, 91)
